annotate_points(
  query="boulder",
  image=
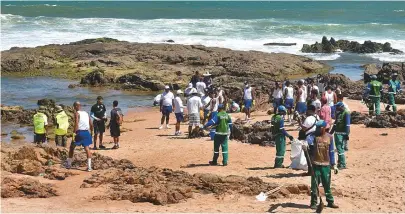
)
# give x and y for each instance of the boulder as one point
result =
(279, 44)
(257, 133)
(96, 77)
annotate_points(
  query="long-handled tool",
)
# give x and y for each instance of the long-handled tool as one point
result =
(263, 196)
(321, 205)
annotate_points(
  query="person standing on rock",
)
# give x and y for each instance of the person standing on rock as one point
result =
(322, 159)
(178, 111)
(277, 97)
(166, 107)
(394, 87)
(200, 86)
(115, 124)
(301, 105)
(99, 114)
(341, 131)
(61, 126)
(331, 98)
(195, 78)
(223, 123)
(81, 135)
(374, 90)
(194, 105)
(248, 97)
(40, 122)
(279, 133)
(289, 100)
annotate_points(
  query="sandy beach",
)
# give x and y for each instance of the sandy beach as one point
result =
(373, 182)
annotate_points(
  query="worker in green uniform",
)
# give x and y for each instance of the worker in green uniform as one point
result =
(40, 122)
(279, 133)
(61, 126)
(322, 159)
(223, 123)
(374, 91)
(341, 129)
(394, 87)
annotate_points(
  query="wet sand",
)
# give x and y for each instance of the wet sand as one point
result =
(373, 182)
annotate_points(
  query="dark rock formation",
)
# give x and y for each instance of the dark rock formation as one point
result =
(279, 44)
(257, 133)
(331, 46)
(26, 187)
(357, 117)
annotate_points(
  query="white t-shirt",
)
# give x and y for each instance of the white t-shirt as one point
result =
(167, 98)
(178, 105)
(290, 92)
(309, 122)
(157, 98)
(200, 87)
(248, 93)
(330, 98)
(317, 104)
(303, 96)
(205, 101)
(194, 105)
(278, 93)
(84, 123)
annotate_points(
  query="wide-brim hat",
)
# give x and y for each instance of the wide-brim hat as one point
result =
(179, 92)
(58, 108)
(193, 91)
(207, 74)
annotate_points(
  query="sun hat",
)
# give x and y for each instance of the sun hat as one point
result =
(193, 91)
(167, 87)
(58, 108)
(179, 91)
(207, 74)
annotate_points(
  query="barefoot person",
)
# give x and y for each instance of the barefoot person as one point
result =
(178, 111)
(194, 105)
(223, 123)
(40, 123)
(166, 106)
(279, 133)
(61, 126)
(81, 135)
(98, 113)
(322, 159)
(289, 99)
(115, 123)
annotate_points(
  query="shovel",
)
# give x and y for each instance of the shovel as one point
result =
(263, 196)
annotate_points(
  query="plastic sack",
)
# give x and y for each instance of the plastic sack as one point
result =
(297, 157)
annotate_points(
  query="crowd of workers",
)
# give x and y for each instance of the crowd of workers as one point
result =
(322, 116)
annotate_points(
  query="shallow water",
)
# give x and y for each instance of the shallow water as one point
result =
(26, 92)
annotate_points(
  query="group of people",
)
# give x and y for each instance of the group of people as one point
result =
(375, 91)
(85, 126)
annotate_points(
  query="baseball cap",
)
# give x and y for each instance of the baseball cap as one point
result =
(167, 87)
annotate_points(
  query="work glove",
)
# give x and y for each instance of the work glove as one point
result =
(291, 138)
(346, 137)
(254, 102)
(335, 169)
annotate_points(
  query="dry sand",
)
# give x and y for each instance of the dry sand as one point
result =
(373, 182)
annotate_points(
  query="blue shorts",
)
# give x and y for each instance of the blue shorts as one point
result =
(301, 107)
(83, 138)
(166, 110)
(248, 104)
(276, 102)
(179, 117)
(213, 114)
(333, 111)
(289, 103)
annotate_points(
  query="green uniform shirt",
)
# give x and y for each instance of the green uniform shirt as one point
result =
(222, 120)
(276, 124)
(375, 88)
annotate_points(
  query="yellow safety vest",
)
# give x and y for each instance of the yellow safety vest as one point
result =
(62, 123)
(39, 123)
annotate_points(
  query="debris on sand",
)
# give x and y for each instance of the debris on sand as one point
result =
(257, 133)
(390, 120)
(26, 187)
(166, 186)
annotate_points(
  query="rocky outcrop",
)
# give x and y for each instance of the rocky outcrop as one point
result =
(389, 120)
(26, 187)
(149, 66)
(279, 44)
(257, 133)
(331, 46)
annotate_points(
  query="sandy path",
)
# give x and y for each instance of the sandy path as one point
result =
(373, 182)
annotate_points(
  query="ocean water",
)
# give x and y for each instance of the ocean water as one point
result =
(235, 25)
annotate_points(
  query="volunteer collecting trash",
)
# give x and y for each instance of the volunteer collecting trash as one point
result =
(341, 129)
(40, 122)
(394, 88)
(322, 159)
(278, 131)
(61, 126)
(374, 91)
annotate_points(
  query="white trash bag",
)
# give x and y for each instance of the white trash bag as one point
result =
(297, 157)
